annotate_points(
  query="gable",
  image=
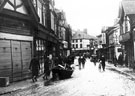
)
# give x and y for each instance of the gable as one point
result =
(2, 3)
(21, 6)
(16, 5)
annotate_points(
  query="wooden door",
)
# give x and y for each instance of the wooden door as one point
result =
(5, 59)
(16, 60)
(26, 58)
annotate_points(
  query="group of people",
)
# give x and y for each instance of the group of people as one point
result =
(49, 63)
(94, 59)
(81, 61)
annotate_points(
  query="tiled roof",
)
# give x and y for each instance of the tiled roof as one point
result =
(82, 35)
(129, 6)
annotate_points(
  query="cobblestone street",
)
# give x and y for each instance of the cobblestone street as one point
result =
(86, 82)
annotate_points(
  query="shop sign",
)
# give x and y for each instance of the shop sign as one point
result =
(15, 37)
(126, 36)
(103, 38)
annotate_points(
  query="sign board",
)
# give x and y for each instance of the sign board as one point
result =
(103, 38)
(15, 37)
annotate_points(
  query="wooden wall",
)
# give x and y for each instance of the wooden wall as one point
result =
(15, 57)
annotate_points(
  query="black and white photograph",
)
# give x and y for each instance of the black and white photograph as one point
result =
(67, 47)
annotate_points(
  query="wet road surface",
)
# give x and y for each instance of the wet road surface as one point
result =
(86, 82)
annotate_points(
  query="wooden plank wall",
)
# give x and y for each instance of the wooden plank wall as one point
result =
(5, 59)
(15, 58)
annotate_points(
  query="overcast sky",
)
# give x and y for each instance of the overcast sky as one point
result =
(90, 14)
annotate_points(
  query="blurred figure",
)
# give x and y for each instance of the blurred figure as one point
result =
(34, 67)
(94, 59)
(79, 62)
(126, 60)
(83, 60)
(115, 61)
(120, 59)
(102, 60)
(47, 66)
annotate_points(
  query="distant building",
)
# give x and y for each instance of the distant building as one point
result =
(81, 41)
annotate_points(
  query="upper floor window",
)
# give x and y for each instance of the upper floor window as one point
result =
(73, 41)
(41, 10)
(76, 45)
(16, 5)
(80, 45)
(76, 40)
(73, 46)
(80, 40)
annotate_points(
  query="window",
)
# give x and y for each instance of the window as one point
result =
(80, 45)
(76, 40)
(44, 16)
(80, 40)
(16, 5)
(73, 41)
(39, 5)
(73, 46)
(76, 45)
(52, 21)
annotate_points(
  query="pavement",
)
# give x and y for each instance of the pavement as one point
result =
(26, 84)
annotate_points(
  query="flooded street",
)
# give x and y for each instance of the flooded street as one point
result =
(85, 82)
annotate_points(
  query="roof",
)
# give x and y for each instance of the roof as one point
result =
(29, 6)
(82, 35)
(128, 6)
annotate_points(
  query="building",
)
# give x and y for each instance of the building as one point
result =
(112, 42)
(28, 28)
(81, 42)
(127, 25)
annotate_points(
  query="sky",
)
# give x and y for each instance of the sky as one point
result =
(89, 14)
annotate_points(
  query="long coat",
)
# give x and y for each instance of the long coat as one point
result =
(47, 66)
(102, 60)
(120, 59)
(34, 66)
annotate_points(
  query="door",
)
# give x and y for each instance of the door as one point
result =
(26, 58)
(5, 59)
(16, 60)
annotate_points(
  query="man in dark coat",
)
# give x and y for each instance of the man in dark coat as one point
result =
(34, 67)
(47, 67)
(83, 61)
(115, 60)
(79, 61)
(102, 59)
(120, 59)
